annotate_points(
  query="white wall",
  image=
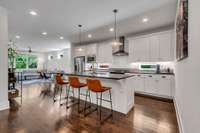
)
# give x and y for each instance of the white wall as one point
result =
(57, 63)
(187, 93)
(4, 104)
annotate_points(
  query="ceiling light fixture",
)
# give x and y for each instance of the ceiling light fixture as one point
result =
(144, 20)
(61, 38)
(44, 33)
(89, 35)
(29, 50)
(115, 42)
(17, 37)
(33, 13)
(111, 29)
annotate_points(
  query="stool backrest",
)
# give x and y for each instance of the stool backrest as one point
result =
(74, 82)
(59, 79)
(94, 85)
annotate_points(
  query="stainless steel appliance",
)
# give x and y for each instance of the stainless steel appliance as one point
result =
(79, 64)
(91, 58)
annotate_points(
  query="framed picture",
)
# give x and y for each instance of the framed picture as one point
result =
(182, 30)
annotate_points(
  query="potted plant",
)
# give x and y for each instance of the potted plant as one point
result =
(11, 56)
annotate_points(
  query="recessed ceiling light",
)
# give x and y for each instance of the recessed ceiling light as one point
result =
(61, 37)
(111, 29)
(144, 20)
(89, 35)
(44, 33)
(33, 13)
(17, 37)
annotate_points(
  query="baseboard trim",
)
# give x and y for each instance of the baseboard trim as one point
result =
(4, 105)
(178, 116)
(154, 97)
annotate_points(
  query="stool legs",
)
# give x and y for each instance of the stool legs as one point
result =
(60, 94)
(100, 106)
(78, 100)
(111, 108)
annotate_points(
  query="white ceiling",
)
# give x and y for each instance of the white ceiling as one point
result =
(61, 17)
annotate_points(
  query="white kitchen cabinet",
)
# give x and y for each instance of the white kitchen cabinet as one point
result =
(139, 83)
(79, 51)
(104, 53)
(139, 49)
(165, 43)
(91, 49)
(154, 48)
(164, 85)
(153, 84)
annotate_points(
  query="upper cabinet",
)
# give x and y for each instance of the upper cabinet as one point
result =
(165, 44)
(91, 49)
(79, 50)
(84, 50)
(104, 53)
(139, 49)
(152, 48)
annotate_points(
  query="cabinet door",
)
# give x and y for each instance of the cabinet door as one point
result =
(165, 46)
(79, 51)
(139, 83)
(104, 54)
(154, 48)
(151, 84)
(141, 49)
(164, 86)
(91, 49)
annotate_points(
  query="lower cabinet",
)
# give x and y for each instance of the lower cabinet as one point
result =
(152, 84)
(139, 83)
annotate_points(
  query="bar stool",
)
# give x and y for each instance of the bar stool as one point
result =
(60, 83)
(74, 83)
(96, 87)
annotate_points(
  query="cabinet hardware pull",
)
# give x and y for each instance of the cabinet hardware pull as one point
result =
(163, 76)
(150, 76)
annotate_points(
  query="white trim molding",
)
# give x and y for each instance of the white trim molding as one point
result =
(178, 116)
(4, 105)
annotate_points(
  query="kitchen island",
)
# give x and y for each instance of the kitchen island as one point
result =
(122, 89)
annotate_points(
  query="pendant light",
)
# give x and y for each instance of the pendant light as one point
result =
(80, 37)
(115, 42)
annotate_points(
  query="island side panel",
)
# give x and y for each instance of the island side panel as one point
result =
(122, 94)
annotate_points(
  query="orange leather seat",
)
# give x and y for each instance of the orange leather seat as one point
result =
(95, 86)
(59, 80)
(75, 83)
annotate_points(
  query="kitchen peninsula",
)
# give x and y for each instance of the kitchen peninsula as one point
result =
(122, 91)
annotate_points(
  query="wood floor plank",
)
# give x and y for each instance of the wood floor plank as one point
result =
(38, 114)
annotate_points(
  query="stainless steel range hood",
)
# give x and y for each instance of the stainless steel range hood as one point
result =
(121, 50)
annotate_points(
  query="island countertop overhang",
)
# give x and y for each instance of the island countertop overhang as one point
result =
(101, 75)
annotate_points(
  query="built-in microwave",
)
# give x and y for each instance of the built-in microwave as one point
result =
(91, 58)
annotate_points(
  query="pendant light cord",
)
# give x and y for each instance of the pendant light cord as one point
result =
(80, 37)
(115, 27)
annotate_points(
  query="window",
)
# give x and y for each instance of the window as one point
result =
(21, 62)
(26, 61)
(32, 62)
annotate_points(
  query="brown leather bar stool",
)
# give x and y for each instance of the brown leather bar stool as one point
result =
(95, 86)
(60, 83)
(74, 83)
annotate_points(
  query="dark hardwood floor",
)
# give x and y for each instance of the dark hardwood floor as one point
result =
(38, 114)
